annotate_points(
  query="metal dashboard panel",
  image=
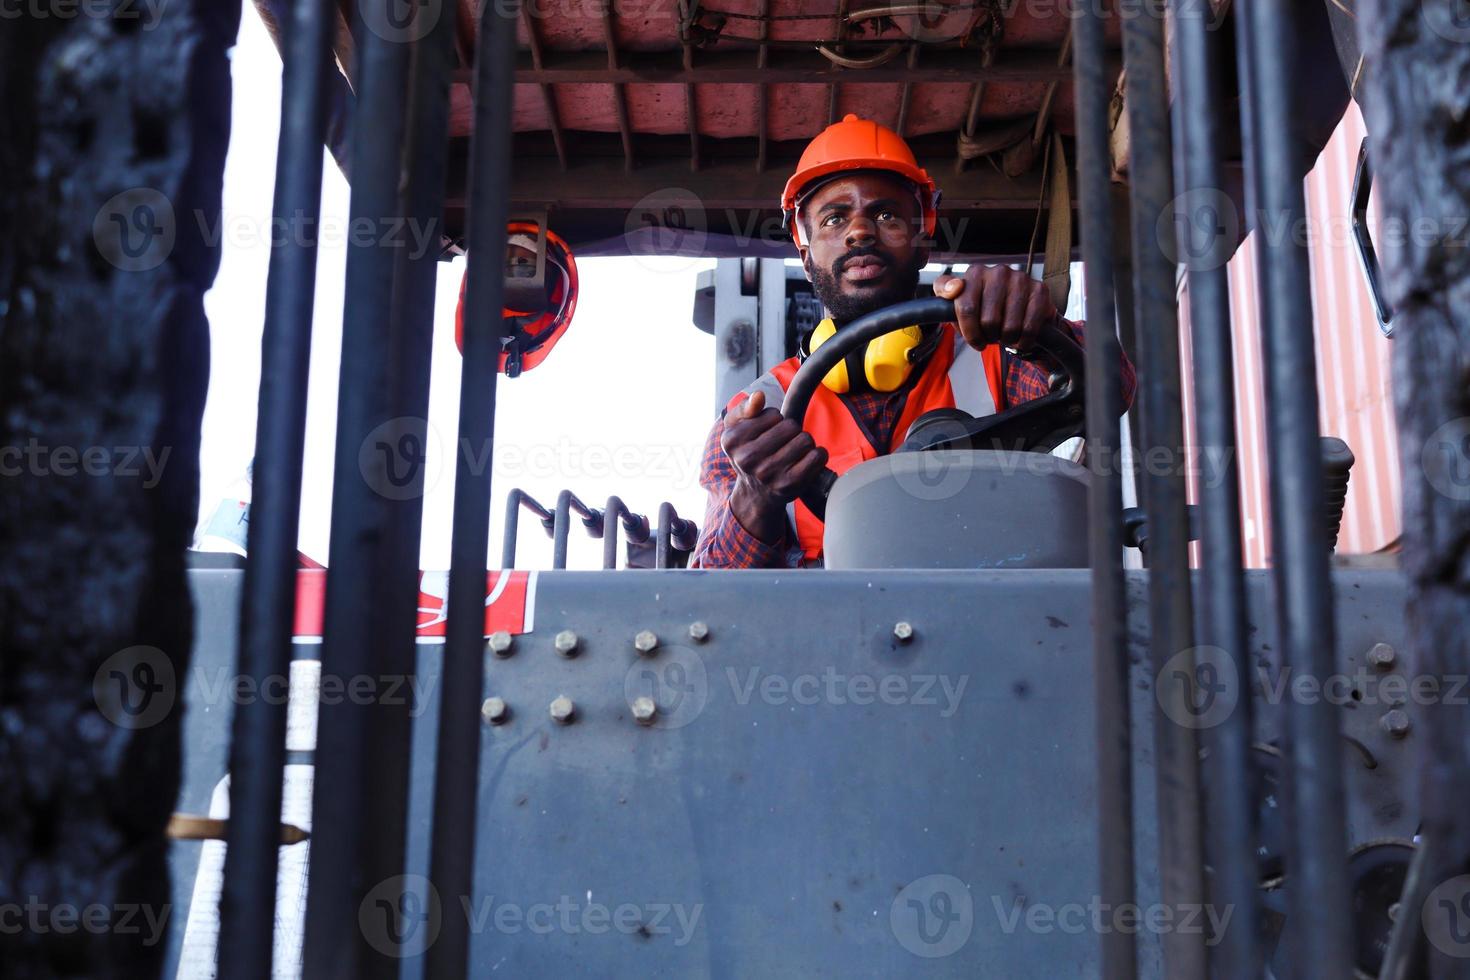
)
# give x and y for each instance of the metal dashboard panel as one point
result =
(817, 836)
(815, 777)
(815, 797)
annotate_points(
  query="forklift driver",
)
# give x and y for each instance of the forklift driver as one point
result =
(853, 205)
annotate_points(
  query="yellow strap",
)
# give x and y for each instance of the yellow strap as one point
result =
(1057, 270)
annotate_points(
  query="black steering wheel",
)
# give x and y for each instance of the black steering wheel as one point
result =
(1039, 425)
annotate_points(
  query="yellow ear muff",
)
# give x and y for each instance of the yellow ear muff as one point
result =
(836, 379)
(885, 362)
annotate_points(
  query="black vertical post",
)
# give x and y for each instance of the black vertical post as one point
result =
(1122, 261)
(1317, 886)
(416, 253)
(1105, 496)
(456, 780)
(1230, 814)
(1181, 859)
(258, 745)
(357, 642)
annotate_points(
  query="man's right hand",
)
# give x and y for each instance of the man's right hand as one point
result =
(774, 458)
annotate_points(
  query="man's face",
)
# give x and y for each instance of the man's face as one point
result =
(862, 252)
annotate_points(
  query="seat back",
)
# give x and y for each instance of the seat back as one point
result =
(959, 509)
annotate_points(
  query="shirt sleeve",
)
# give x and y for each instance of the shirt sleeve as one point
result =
(1027, 380)
(724, 542)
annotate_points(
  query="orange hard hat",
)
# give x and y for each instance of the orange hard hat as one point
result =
(857, 144)
(532, 333)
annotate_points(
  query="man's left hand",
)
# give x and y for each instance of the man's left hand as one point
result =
(997, 305)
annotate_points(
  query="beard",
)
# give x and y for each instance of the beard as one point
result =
(897, 287)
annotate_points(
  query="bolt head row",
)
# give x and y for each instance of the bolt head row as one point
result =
(567, 643)
(564, 711)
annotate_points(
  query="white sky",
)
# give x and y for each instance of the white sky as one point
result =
(621, 406)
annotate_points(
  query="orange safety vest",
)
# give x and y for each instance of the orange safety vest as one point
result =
(955, 376)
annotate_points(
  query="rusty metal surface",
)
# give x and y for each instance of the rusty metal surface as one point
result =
(614, 83)
(644, 26)
(619, 122)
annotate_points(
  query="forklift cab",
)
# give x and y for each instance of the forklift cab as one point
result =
(880, 770)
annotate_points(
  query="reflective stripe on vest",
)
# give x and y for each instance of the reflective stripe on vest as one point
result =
(956, 376)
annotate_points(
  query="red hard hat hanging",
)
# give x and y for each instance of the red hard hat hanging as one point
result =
(532, 333)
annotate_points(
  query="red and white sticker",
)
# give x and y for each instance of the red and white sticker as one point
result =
(510, 603)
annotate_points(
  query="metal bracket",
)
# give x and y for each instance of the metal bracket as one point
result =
(1363, 240)
(529, 294)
